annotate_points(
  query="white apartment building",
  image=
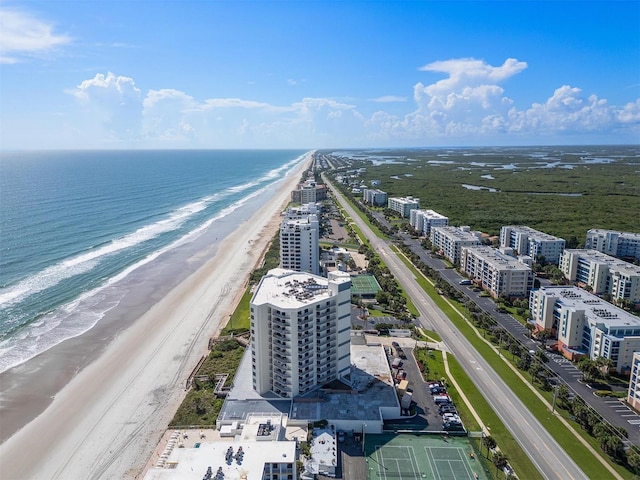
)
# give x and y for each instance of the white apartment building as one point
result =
(309, 192)
(498, 273)
(603, 273)
(527, 241)
(374, 196)
(299, 243)
(404, 205)
(450, 240)
(611, 242)
(586, 325)
(302, 211)
(424, 220)
(300, 331)
(633, 397)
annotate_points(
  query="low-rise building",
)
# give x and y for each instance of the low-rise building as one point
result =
(586, 325)
(424, 220)
(404, 205)
(375, 197)
(602, 273)
(449, 241)
(527, 241)
(258, 450)
(611, 242)
(498, 273)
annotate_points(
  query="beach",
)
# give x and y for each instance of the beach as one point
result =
(106, 421)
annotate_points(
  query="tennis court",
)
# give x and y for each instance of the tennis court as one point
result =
(417, 457)
(364, 285)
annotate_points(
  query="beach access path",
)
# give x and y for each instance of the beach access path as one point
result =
(107, 421)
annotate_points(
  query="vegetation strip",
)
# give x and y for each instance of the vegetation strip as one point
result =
(589, 460)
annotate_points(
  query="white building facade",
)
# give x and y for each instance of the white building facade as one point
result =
(611, 242)
(404, 205)
(373, 196)
(633, 397)
(424, 220)
(299, 243)
(527, 241)
(498, 273)
(450, 240)
(603, 273)
(300, 331)
(586, 325)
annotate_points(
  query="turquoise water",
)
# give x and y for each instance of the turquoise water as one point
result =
(75, 223)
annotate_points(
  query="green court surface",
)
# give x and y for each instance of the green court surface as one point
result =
(364, 285)
(409, 457)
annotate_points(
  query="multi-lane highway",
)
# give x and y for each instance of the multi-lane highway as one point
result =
(550, 459)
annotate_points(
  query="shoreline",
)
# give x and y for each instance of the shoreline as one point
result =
(108, 418)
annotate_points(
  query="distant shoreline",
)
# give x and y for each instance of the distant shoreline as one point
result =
(79, 400)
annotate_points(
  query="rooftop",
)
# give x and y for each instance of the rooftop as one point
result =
(533, 233)
(594, 307)
(614, 264)
(288, 289)
(497, 259)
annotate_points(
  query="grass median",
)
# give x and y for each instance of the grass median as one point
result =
(566, 438)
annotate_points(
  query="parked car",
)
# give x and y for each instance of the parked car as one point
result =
(465, 282)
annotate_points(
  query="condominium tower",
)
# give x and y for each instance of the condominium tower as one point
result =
(602, 273)
(403, 205)
(527, 241)
(450, 240)
(300, 331)
(374, 196)
(424, 220)
(611, 242)
(586, 325)
(498, 273)
(299, 242)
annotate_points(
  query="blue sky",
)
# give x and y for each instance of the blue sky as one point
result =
(310, 74)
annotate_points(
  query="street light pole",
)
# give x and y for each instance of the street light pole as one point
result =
(555, 395)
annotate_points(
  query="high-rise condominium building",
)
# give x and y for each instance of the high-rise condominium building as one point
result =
(299, 247)
(300, 331)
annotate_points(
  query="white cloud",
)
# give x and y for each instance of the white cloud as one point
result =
(389, 99)
(469, 107)
(114, 103)
(468, 72)
(107, 87)
(23, 35)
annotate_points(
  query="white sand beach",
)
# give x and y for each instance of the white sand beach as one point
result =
(106, 422)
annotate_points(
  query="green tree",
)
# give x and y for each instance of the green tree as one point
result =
(500, 460)
(589, 368)
(489, 442)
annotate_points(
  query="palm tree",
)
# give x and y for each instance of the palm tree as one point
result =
(489, 442)
(499, 460)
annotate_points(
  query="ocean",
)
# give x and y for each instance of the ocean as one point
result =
(75, 225)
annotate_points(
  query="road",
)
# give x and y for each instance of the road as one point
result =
(550, 459)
